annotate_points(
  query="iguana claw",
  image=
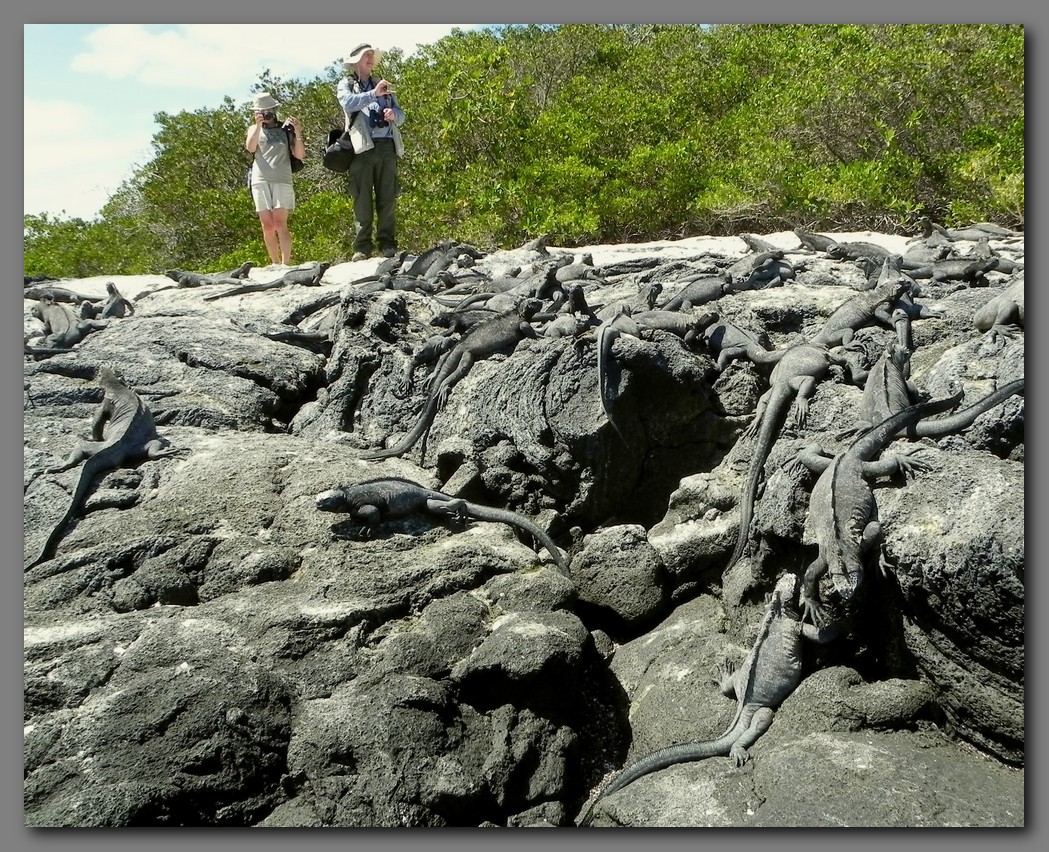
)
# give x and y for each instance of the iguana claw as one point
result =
(908, 465)
(814, 611)
(739, 754)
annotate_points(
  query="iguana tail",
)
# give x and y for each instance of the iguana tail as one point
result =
(490, 513)
(95, 464)
(873, 441)
(408, 441)
(773, 416)
(606, 336)
(661, 759)
(964, 418)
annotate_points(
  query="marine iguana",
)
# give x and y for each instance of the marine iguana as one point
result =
(58, 294)
(393, 497)
(888, 390)
(607, 334)
(698, 291)
(38, 352)
(973, 232)
(997, 316)
(432, 348)
(184, 279)
(794, 377)
(730, 341)
(309, 276)
(688, 326)
(241, 272)
(814, 242)
(769, 674)
(565, 325)
(756, 243)
(864, 309)
(500, 334)
(743, 268)
(63, 328)
(968, 269)
(122, 431)
(983, 249)
(842, 507)
(115, 305)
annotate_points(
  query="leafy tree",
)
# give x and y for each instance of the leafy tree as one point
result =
(604, 133)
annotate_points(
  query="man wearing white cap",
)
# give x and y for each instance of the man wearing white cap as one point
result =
(272, 145)
(377, 146)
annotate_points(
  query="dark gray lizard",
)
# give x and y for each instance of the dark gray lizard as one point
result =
(743, 268)
(39, 352)
(58, 294)
(688, 326)
(756, 243)
(184, 279)
(393, 497)
(888, 390)
(975, 231)
(769, 674)
(698, 291)
(310, 276)
(971, 270)
(432, 348)
(812, 241)
(241, 271)
(864, 309)
(122, 431)
(63, 328)
(842, 507)
(500, 334)
(795, 376)
(115, 306)
(730, 341)
(1005, 310)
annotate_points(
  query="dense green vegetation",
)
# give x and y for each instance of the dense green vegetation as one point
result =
(595, 133)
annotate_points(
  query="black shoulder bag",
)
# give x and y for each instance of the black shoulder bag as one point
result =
(338, 153)
(296, 164)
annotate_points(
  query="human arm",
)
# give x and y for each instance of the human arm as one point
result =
(298, 147)
(251, 141)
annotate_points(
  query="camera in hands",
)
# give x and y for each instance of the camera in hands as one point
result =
(375, 118)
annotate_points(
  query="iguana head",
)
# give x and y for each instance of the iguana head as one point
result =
(846, 576)
(528, 308)
(107, 376)
(783, 596)
(900, 356)
(331, 500)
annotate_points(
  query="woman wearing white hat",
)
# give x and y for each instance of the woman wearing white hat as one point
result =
(272, 145)
(377, 145)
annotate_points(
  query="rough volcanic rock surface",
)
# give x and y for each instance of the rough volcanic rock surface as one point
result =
(205, 647)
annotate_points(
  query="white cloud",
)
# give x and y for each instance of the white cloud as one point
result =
(72, 171)
(227, 58)
(185, 67)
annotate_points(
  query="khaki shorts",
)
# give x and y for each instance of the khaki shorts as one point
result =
(270, 196)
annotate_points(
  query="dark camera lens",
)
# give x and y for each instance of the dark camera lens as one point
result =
(269, 116)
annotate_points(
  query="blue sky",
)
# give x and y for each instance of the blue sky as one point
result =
(112, 78)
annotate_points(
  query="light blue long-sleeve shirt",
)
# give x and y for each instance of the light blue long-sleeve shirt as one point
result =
(365, 101)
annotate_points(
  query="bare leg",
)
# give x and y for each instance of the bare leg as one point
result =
(280, 224)
(269, 234)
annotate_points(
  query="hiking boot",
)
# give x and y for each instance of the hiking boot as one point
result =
(389, 252)
(359, 255)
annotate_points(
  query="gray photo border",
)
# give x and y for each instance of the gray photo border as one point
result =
(17, 837)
